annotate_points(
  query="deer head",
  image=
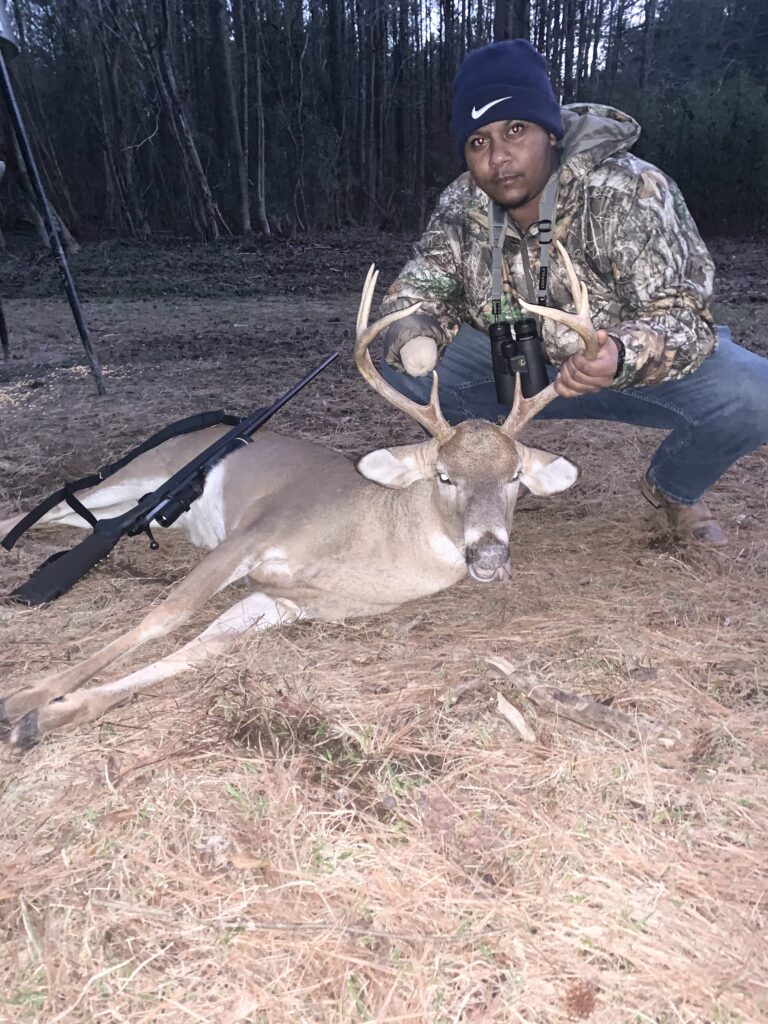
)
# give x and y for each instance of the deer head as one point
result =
(474, 469)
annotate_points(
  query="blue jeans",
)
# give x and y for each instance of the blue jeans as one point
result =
(714, 416)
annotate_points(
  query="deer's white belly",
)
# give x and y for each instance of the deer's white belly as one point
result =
(204, 523)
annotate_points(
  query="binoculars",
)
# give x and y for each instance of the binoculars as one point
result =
(521, 354)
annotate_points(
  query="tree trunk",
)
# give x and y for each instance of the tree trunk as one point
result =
(597, 39)
(237, 163)
(648, 34)
(123, 151)
(569, 31)
(512, 19)
(615, 41)
(205, 214)
(261, 173)
(68, 242)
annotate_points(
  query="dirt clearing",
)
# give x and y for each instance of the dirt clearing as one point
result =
(333, 824)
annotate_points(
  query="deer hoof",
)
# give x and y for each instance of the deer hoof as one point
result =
(37, 723)
(25, 734)
(18, 703)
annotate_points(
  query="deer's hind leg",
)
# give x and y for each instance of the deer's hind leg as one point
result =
(258, 611)
(229, 562)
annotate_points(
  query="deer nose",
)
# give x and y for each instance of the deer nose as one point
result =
(486, 557)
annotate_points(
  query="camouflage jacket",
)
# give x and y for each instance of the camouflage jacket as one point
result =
(630, 236)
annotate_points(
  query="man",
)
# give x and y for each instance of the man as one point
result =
(634, 244)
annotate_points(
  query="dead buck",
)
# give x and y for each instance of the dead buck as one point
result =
(319, 539)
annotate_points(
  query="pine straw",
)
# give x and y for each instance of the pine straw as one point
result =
(332, 824)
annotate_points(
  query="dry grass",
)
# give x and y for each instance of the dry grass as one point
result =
(333, 825)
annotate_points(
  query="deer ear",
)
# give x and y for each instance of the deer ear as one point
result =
(401, 466)
(545, 473)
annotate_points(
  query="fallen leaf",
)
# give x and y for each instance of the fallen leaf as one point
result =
(246, 861)
(116, 817)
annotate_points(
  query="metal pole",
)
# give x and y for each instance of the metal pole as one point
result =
(3, 327)
(4, 335)
(52, 229)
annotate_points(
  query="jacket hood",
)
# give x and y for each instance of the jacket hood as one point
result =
(594, 132)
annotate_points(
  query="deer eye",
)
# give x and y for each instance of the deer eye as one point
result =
(516, 476)
(444, 478)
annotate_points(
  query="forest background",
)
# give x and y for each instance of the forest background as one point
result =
(214, 118)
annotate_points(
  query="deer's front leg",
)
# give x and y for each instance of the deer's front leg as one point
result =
(225, 564)
(258, 611)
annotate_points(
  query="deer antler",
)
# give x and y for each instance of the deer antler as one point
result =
(429, 416)
(580, 321)
(524, 409)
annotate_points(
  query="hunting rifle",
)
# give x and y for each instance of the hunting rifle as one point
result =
(165, 505)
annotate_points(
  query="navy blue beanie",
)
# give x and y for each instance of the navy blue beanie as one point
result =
(503, 82)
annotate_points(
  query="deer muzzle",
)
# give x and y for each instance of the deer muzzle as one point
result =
(488, 559)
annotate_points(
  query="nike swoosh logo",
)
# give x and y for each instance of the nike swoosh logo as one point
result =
(479, 113)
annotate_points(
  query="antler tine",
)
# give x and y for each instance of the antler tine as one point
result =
(580, 321)
(524, 409)
(369, 287)
(429, 416)
(578, 288)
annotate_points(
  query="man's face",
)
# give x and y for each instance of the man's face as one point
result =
(511, 161)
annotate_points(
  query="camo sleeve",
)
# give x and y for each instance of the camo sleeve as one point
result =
(664, 277)
(432, 277)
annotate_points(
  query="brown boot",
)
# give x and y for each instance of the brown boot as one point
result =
(691, 524)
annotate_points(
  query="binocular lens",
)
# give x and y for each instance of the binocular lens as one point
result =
(522, 354)
(502, 351)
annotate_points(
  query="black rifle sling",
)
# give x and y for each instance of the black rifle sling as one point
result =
(67, 493)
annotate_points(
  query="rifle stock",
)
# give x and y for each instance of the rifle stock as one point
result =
(60, 572)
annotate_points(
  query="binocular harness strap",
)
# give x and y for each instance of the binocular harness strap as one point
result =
(498, 222)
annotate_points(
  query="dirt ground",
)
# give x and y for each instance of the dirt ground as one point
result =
(333, 823)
